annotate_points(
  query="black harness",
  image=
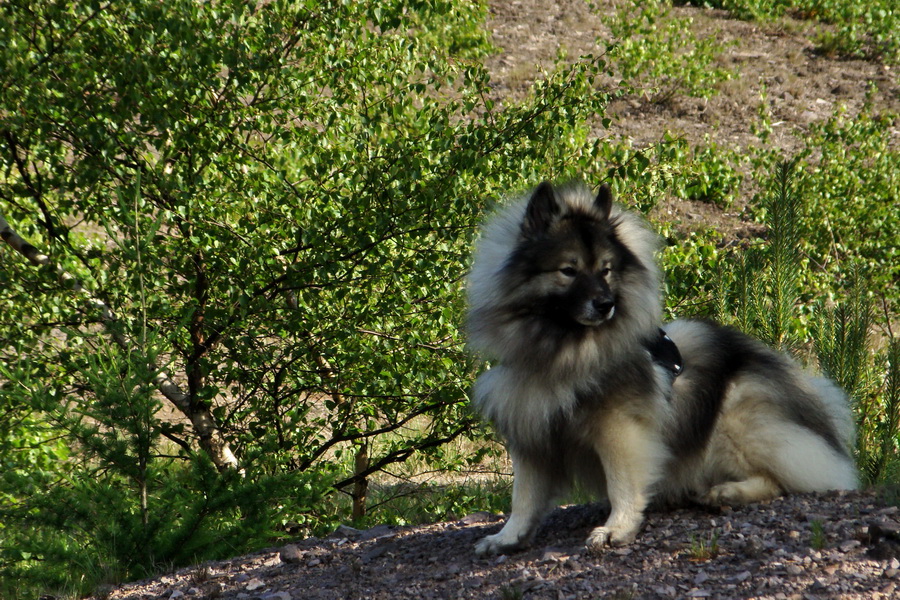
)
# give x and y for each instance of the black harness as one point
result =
(665, 353)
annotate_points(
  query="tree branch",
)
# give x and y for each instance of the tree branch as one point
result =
(17, 243)
(211, 439)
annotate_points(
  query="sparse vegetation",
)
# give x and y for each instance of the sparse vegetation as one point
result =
(704, 548)
(817, 538)
(659, 55)
(867, 29)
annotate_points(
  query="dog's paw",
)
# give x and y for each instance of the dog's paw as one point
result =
(753, 489)
(496, 544)
(610, 536)
(720, 495)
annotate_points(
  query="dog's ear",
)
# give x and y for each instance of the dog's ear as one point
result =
(603, 201)
(542, 208)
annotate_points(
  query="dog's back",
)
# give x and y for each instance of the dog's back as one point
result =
(750, 424)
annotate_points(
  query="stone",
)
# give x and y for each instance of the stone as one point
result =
(291, 554)
(478, 517)
(345, 531)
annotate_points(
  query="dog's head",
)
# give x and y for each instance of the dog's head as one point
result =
(568, 265)
(564, 276)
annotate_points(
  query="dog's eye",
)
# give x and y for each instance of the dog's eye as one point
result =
(605, 271)
(569, 271)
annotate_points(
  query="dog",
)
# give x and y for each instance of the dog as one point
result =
(586, 385)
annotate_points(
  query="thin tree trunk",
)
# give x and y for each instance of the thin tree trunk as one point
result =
(361, 460)
(211, 440)
(361, 485)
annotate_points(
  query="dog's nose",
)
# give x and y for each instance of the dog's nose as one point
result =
(602, 306)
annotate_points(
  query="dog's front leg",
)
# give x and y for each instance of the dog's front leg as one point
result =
(533, 490)
(633, 458)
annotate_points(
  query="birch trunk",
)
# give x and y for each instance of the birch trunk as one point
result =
(211, 440)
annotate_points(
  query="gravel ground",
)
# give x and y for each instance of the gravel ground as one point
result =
(841, 545)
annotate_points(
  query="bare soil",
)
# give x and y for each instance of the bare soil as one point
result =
(777, 60)
(800, 547)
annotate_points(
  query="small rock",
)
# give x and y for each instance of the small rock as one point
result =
(176, 594)
(810, 517)
(376, 552)
(754, 547)
(574, 564)
(272, 561)
(213, 590)
(819, 584)
(277, 596)
(478, 517)
(254, 584)
(742, 576)
(808, 116)
(665, 590)
(552, 556)
(794, 570)
(526, 584)
(700, 578)
(291, 554)
(377, 532)
(241, 578)
(344, 531)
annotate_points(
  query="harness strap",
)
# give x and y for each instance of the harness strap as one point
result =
(665, 353)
